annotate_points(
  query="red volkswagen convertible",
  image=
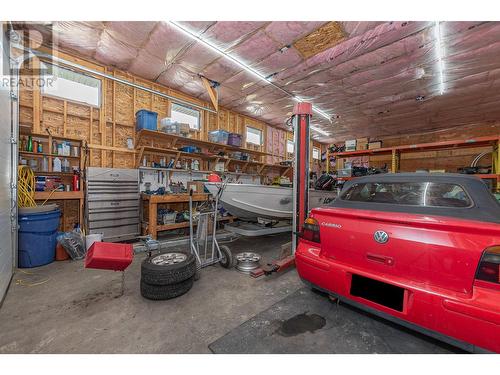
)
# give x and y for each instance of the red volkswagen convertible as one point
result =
(419, 249)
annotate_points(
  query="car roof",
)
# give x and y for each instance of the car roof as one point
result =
(485, 206)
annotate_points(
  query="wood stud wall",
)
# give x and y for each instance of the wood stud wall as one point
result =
(107, 128)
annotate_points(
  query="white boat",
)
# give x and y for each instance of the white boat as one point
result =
(249, 201)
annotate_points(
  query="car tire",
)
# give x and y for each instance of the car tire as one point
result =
(227, 260)
(164, 292)
(197, 274)
(169, 267)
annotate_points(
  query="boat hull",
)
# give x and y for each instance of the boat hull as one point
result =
(249, 202)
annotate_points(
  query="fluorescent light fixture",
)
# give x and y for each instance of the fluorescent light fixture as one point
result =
(318, 130)
(245, 67)
(439, 53)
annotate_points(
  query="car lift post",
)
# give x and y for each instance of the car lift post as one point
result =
(302, 113)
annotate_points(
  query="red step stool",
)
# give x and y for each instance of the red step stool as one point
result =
(110, 256)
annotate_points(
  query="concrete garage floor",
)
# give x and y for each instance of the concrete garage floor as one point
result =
(76, 311)
(64, 308)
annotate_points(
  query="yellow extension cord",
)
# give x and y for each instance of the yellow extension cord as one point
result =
(26, 187)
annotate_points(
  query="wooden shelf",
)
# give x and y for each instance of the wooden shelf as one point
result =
(482, 176)
(475, 142)
(173, 198)
(58, 195)
(48, 155)
(158, 134)
(58, 137)
(37, 173)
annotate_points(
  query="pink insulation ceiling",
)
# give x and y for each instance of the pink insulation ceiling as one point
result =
(368, 83)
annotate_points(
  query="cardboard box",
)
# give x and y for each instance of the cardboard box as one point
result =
(374, 145)
(362, 144)
(197, 186)
(220, 167)
(350, 145)
(346, 172)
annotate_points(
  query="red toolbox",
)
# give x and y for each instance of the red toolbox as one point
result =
(109, 256)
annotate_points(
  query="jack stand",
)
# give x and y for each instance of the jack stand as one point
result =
(285, 261)
(277, 266)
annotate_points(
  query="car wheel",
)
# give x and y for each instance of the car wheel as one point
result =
(163, 292)
(167, 268)
(227, 260)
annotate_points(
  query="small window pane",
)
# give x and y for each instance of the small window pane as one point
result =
(254, 136)
(316, 153)
(74, 86)
(290, 146)
(186, 115)
(427, 194)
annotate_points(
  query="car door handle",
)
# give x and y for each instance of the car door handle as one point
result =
(380, 259)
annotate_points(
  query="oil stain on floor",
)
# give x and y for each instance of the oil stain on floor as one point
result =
(301, 323)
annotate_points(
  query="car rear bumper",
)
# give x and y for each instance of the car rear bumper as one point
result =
(472, 323)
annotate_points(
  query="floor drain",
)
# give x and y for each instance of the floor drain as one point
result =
(247, 262)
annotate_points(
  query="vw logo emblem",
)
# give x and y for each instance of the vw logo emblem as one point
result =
(380, 236)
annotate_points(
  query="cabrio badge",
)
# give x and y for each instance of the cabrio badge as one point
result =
(380, 236)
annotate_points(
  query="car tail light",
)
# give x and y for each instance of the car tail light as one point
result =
(489, 266)
(310, 231)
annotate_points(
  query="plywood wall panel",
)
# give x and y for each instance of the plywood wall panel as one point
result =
(77, 127)
(124, 107)
(25, 115)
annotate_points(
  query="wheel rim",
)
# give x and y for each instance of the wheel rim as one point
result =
(247, 261)
(168, 259)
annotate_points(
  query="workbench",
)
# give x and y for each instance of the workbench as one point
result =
(150, 225)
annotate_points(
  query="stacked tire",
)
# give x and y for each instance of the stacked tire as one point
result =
(167, 275)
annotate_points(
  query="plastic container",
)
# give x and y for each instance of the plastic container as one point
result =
(218, 136)
(169, 218)
(37, 238)
(145, 119)
(91, 238)
(190, 149)
(61, 253)
(235, 139)
(109, 256)
(56, 165)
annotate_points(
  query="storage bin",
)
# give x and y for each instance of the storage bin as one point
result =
(109, 256)
(37, 238)
(170, 128)
(218, 136)
(169, 218)
(145, 119)
(234, 139)
(190, 149)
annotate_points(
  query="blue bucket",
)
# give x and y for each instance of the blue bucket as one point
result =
(37, 238)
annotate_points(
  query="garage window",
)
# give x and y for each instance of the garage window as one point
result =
(427, 194)
(186, 115)
(254, 136)
(74, 86)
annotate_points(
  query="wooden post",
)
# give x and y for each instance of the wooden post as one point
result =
(113, 125)
(36, 100)
(102, 120)
(212, 93)
(395, 161)
(152, 212)
(65, 117)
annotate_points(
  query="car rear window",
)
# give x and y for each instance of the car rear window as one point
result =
(425, 194)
